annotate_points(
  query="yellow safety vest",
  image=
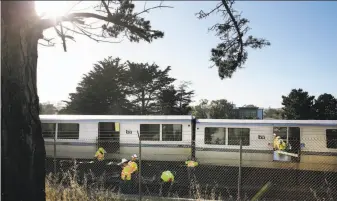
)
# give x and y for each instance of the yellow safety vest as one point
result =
(133, 165)
(191, 163)
(126, 173)
(167, 176)
(282, 145)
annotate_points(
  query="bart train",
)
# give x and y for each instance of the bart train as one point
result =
(210, 141)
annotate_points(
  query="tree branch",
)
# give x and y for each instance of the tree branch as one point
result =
(240, 35)
(75, 17)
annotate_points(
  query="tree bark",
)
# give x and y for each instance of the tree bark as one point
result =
(22, 146)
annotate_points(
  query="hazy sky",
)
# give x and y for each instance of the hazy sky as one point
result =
(303, 53)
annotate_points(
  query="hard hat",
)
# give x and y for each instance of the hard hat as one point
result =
(134, 156)
(274, 134)
(102, 150)
(123, 161)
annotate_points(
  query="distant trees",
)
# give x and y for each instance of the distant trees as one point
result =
(216, 109)
(115, 87)
(47, 108)
(272, 113)
(298, 104)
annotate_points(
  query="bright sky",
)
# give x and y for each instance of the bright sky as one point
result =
(303, 53)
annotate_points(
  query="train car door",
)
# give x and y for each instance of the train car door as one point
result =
(294, 139)
(109, 136)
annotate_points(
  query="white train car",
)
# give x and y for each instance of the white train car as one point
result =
(166, 138)
(315, 141)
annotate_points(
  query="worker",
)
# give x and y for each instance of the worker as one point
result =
(133, 163)
(167, 180)
(99, 164)
(282, 145)
(191, 164)
(100, 154)
(125, 184)
(134, 172)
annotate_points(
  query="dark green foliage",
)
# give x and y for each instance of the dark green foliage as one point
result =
(167, 101)
(103, 90)
(147, 81)
(231, 53)
(216, 109)
(201, 111)
(298, 105)
(134, 27)
(117, 88)
(326, 107)
(222, 109)
(273, 113)
(184, 96)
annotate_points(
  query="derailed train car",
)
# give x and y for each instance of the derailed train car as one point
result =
(313, 142)
(211, 141)
(164, 138)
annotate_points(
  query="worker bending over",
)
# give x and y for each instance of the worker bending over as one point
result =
(134, 172)
(126, 184)
(167, 179)
(191, 164)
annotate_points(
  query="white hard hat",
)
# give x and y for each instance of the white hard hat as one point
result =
(274, 133)
(123, 161)
(134, 156)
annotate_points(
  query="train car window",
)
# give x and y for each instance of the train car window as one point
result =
(68, 131)
(108, 130)
(48, 130)
(172, 132)
(150, 132)
(234, 135)
(281, 132)
(215, 135)
(331, 138)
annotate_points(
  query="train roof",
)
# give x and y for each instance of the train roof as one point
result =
(113, 117)
(255, 122)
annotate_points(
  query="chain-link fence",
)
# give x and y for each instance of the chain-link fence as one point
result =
(231, 165)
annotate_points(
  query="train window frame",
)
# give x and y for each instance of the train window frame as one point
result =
(115, 131)
(152, 140)
(334, 134)
(75, 135)
(46, 136)
(245, 142)
(174, 140)
(225, 135)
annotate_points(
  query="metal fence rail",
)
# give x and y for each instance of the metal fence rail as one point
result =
(230, 169)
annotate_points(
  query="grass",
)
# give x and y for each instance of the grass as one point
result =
(67, 186)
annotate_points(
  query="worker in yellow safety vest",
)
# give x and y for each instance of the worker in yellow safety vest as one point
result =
(282, 145)
(167, 180)
(191, 164)
(100, 154)
(133, 163)
(125, 177)
(134, 172)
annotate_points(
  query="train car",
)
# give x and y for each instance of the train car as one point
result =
(313, 142)
(166, 138)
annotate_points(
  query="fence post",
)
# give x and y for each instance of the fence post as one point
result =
(240, 176)
(140, 169)
(54, 159)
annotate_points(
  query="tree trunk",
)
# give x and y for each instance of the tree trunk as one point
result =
(22, 146)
